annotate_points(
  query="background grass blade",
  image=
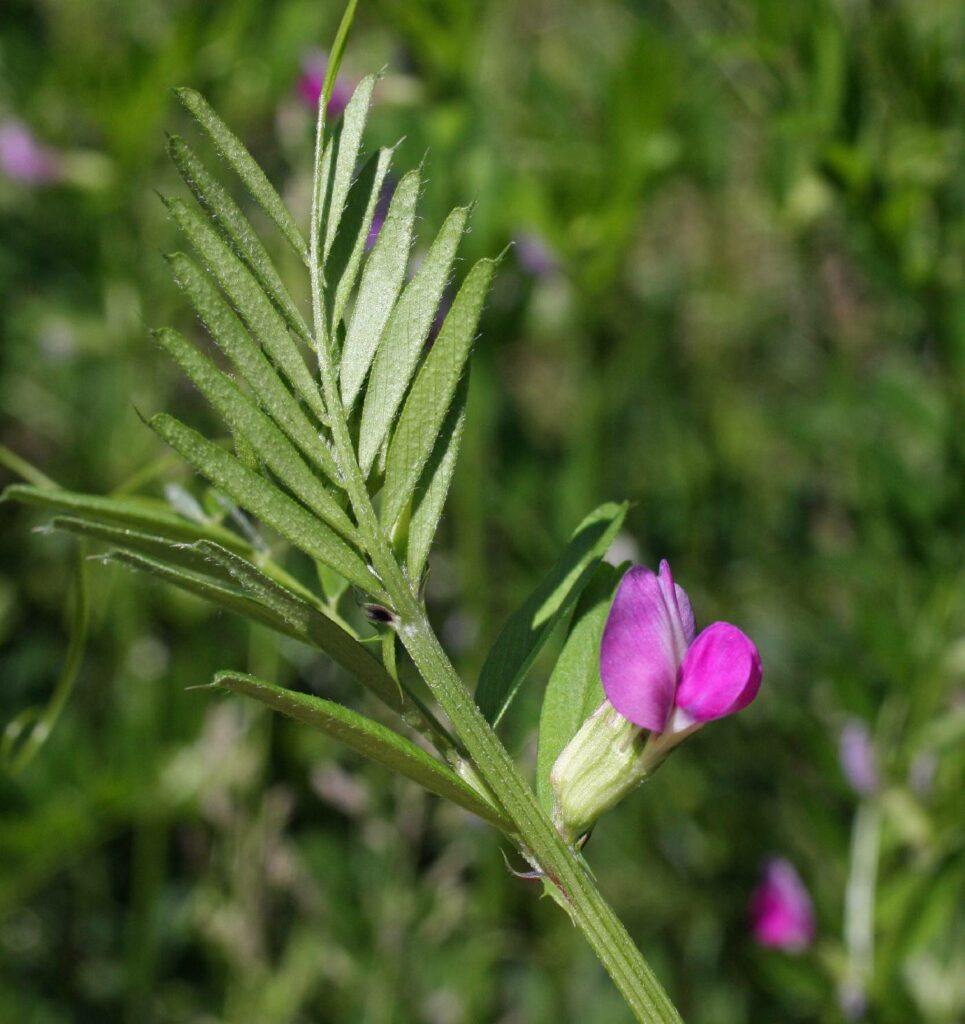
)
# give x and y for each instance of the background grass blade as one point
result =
(236, 229)
(234, 153)
(381, 280)
(230, 335)
(270, 444)
(262, 499)
(574, 690)
(425, 409)
(368, 738)
(29, 730)
(430, 496)
(404, 338)
(254, 306)
(524, 634)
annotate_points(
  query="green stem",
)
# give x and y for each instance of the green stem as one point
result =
(561, 864)
(859, 901)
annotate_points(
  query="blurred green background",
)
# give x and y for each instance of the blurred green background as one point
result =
(736, 299)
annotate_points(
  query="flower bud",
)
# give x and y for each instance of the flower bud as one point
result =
(597, 768)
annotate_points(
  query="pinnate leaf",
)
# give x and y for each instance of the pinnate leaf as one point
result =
(272, 506)
(430, 495)
(348, 142)
(234, 153)
(144, 514)
(379, 288)
(231, 337)
(236, 228)
(246, 295)
(368, 738)
(246, 419)
(405, 337)
(428, 402)
(528, 629)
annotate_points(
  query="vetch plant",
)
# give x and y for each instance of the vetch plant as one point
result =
(350, 462)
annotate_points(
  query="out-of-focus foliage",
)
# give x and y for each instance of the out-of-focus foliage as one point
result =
(736, 299)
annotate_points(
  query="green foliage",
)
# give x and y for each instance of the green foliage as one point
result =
(378, 288)
(432, 392)
(342, 153)
(254, 306)
(237, 229)
(267, 441)
(405, 335)
(574, 690)
(431, 493)
(367, 737)
(270, 504)
(528, 629)
(343, 263)
(140, 513)
(269, 391)
(233, 152)
(752, 330)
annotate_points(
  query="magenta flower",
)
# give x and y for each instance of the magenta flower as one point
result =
(654, 671)
(858, 761)
(23, 158)
(312, 79)
(782, 916)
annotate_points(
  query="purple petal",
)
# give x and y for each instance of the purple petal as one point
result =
(338, 101)
(312, 79)
(640, 654)
(858, 762)
(534, 255)
(22, 157)
(782, 916)
(720, 674)
(680, 611)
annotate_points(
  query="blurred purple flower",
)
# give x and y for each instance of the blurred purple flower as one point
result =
(535, 255)
(23, 158)
(656, 673)
(782, 916)
(381, 211)
(312, 79)
(858, 761)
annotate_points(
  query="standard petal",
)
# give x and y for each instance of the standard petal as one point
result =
(638, 656)
(687, 619)
(720, 674)
(678, 605)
